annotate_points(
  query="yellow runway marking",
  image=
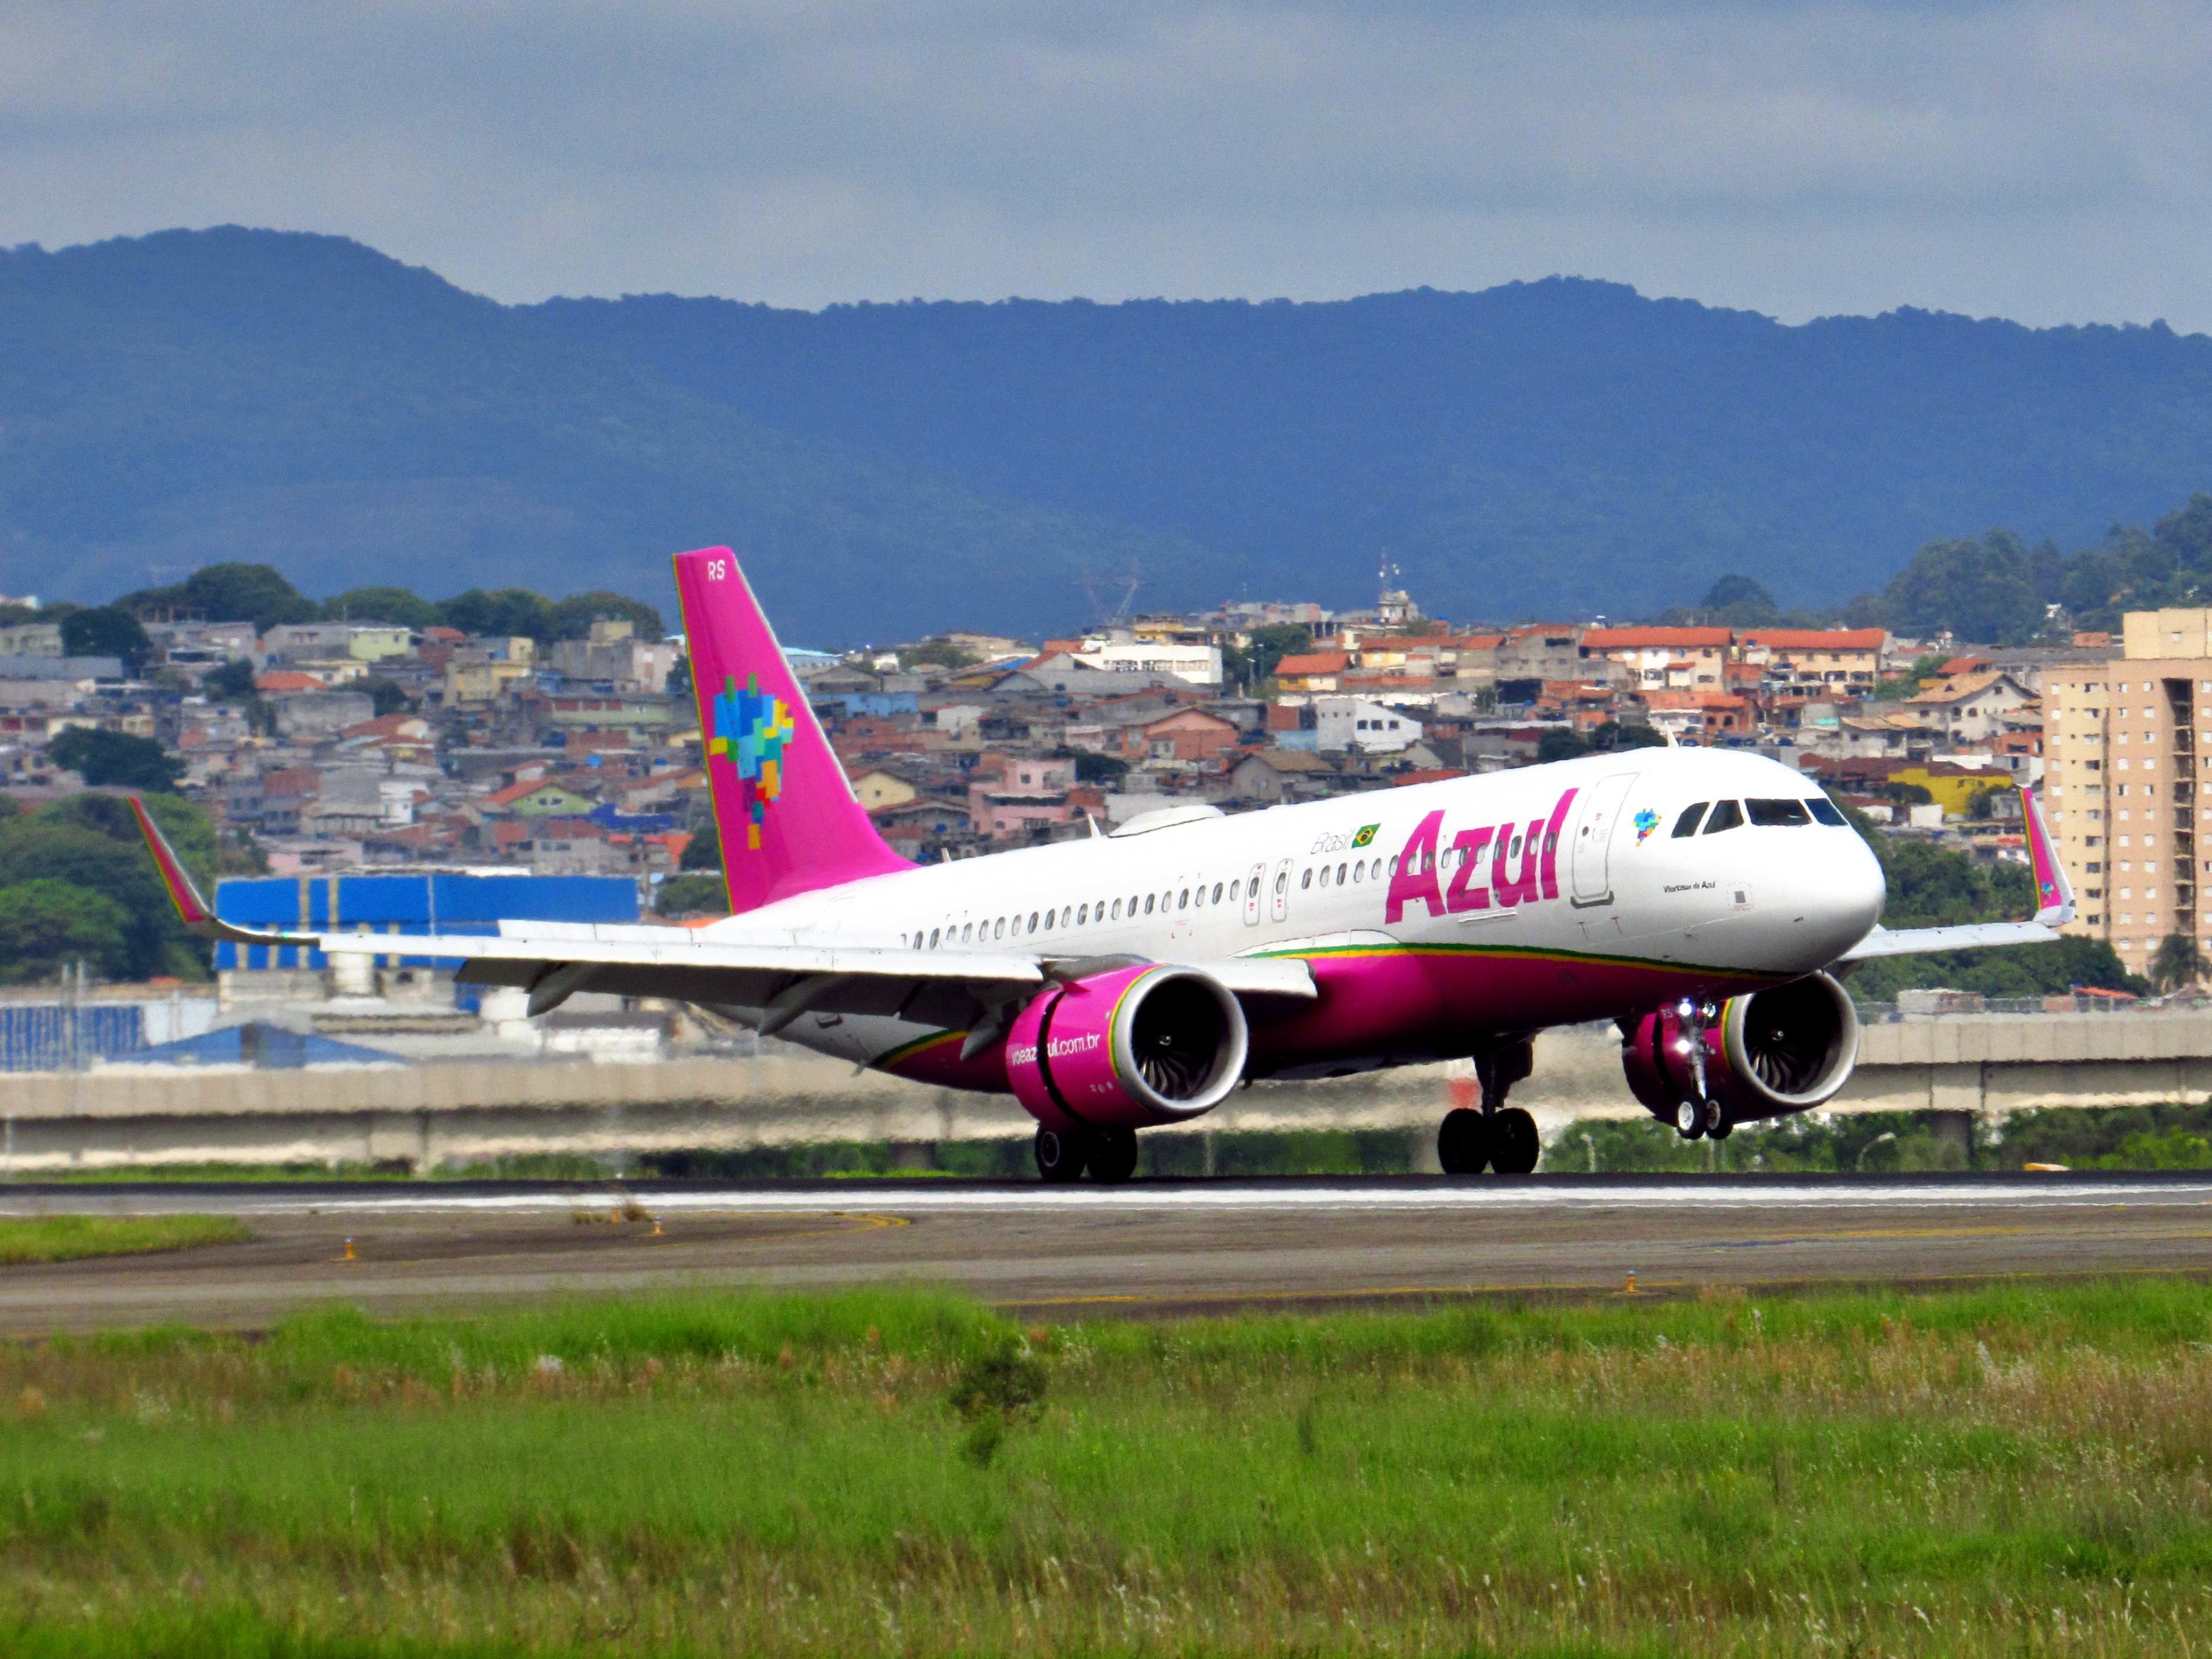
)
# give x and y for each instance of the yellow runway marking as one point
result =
(1556, 1288)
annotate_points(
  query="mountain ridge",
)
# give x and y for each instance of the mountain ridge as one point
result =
(1559, 445)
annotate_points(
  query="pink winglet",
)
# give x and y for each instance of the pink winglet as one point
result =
(192, 909)
(2054, 894)
(787, 818)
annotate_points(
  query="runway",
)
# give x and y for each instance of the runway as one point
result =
(1148, 1249)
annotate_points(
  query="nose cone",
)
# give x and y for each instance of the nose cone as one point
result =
(1842, 897)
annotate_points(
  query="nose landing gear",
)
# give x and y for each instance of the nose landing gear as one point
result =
(1502, 1137)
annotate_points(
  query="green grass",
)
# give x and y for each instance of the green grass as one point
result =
(67, 1237)
(1999, 1471)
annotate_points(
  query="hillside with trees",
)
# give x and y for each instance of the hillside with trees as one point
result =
(889, 470)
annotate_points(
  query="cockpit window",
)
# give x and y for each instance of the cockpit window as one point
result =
(1772, 814)
(1727, 815)
(1687, 824)
(1824, 810)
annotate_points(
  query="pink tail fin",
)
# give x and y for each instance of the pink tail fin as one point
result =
(787, 818)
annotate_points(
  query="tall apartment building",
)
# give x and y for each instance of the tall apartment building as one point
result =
(2121, 785)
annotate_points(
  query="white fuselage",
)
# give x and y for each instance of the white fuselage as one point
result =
(1774, 899)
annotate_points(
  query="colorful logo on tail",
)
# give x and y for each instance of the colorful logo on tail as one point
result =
(751, 727)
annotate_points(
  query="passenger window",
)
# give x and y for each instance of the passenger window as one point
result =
(1324, 875)
(1183, 902)
(1340, 875)
(1217, 892)
(1514, 852)
(932, 939)
(1687, 824)
(1727, 815)
(1376, 870)
(1033, 921)
(1306, 880)
(999, 931)
(1117, 909)
(1081, 915)
(1148, 904)
(1824, 810)
(1393, 864)
(1282, 881)
(967, 930)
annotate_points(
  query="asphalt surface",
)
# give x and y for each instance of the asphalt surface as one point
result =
(1149, 1248)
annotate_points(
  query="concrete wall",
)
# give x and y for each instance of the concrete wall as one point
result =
(437, 1113)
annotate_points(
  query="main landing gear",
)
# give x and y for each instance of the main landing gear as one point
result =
(1498, 1137)
(1110, 1155)
(1696, 1118)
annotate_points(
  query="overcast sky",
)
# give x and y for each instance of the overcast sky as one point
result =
(2048, 162)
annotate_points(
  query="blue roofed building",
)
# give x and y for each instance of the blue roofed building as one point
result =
(414, 903)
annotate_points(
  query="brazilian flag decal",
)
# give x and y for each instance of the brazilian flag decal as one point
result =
(1366, 836)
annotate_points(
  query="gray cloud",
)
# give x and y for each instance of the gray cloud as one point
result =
(2042, 160)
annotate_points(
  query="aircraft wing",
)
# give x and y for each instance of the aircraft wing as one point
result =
(2054, 909)
(785, 972)
(1918, 941)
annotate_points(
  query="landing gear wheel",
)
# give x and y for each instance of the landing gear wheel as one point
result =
(1690, 1120)
(1113, 1156)
(1719, 1124)
(1059, 1157)
(1513, 1146)
(1463, 1141)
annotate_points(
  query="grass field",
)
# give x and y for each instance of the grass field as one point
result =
(66, 1237)
(2000, 1472)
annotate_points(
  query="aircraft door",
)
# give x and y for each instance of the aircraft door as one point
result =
(1591, 861)
(1279, 894)
(1253, 883)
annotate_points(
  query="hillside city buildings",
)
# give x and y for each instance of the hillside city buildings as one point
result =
(363, 745)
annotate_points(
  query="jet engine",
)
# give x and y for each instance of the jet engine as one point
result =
(1128, 1047)
(1767, 1054)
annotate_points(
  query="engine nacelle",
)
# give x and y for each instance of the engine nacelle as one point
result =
(1128, 1048)
(1767, 1055)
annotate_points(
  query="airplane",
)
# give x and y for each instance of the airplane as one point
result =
(1704, 900)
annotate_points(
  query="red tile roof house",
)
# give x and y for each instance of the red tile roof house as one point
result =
(1315, 672)
(288, 679)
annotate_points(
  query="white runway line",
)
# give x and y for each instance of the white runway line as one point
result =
(922, 1200)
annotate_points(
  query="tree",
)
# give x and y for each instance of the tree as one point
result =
(395, 606)
(679, 680)
(1614, 735)
(506, 613)
(106, 759)
(1100, 769)
(1557, 744)
(2177, 962)
(107, 631)
(386, 696)
(92, 842)
(258, 593)
(704, 851)
(692, 896)
(1269, 646)
(1737, 601)
(573, 618)
(941, 654)
(1987, 590)
(47, 925)
(232, 681)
